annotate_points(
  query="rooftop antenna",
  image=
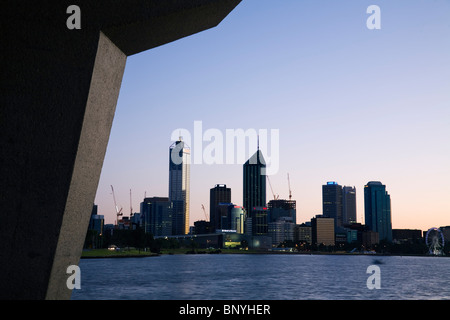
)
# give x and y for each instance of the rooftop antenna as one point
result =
(289, 183)
(131, 206)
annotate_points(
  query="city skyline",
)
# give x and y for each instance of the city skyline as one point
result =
(352, 105)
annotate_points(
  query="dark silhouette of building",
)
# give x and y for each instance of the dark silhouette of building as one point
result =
(406, 235)
(254, 194)
(322, 230)
(279, 208)
(348, 205)
(259, 221)
(254, 188)
(332, 202)
(377, 210)
(157, 216)
(202, 227)
(219, 194)
(179, 186)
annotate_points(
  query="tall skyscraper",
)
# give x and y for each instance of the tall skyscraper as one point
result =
(254, 188)
(348, 205)
(179, 181)
(332, 202)
(219, 194)
(377, 210)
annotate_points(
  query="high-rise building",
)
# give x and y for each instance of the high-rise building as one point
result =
(179, 181)
(221, 216)
(259, 223)
(377, 210)
(332, 202)
(236, 218)
(219, 194)
(322, 230)
(230, 217)
(283, 229)
(279, 208)
(157, 216)
(348, 205)
(254, 187)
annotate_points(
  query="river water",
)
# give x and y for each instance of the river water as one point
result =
(263, 277)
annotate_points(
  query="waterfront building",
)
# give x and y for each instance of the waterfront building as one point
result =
(259, 221)
(406, 235)
(219, 194)
(446, 232)
(281, 230)
(236, 218)
(303, 233)
(230, 217)
(157, 216)
(377, 210)
(370, 238)
(332, 202)
(322, 230)
(179, 186)
(348, 205)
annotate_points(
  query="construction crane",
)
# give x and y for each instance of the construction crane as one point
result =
(118, 212)
(289, 184)
(274, 197)
(203, 208)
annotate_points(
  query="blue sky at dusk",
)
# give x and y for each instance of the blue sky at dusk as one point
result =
(352, 105)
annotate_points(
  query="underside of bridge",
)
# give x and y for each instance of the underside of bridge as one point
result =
(59, 93)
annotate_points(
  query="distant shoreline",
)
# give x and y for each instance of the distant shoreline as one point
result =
(107, 254)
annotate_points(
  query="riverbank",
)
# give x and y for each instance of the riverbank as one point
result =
(135, 253)
(126, 253)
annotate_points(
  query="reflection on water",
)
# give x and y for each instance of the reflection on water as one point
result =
(262, 277)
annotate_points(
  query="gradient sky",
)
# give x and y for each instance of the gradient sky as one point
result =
(352, 105)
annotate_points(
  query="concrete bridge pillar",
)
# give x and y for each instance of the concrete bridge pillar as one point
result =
(59, 92)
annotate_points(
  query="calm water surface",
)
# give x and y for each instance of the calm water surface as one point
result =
(262, 277)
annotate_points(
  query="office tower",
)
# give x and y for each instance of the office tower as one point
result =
(157, 216)
(254, 187)
(303, 233)
(322, 230)
(230, 217)
(96, 221)
(259, 223)
(348, 205)
(219, 194)
(221, 216)
(332, 202)
(282, 208)
(236, 218)
(179, 180)
(281, 230)
(377, 210)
